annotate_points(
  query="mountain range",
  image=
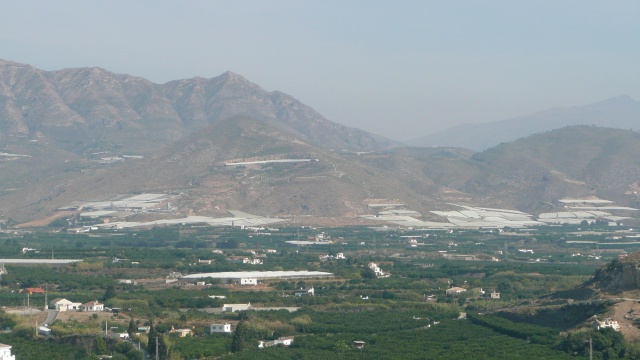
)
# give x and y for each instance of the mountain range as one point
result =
(88, 110)
(87, 134)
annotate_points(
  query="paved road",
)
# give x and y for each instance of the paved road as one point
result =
(51, 315)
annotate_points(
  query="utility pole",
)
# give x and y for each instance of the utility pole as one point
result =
(157, 355)
(46, 292)
(590, 349)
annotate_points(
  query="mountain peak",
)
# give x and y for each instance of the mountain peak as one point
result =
(619, 100)
(233, 77)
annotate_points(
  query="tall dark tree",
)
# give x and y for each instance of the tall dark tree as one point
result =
(109, 293)
(239, 335)
(163, 348)
(151, 344)
(131, 330)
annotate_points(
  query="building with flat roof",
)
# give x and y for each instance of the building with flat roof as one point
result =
(220, 328)
(5, 352)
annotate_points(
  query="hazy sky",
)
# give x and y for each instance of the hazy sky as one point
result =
(397, 68)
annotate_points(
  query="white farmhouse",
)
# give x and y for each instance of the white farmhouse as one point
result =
(5, 352)
(284, 341)
(92, 306)
(220, 328)
(63, 305)
(376, 269)
(455, 290)
(607, 323)
(248, 281)
(301, 292)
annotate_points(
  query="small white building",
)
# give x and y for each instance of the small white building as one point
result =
(181, 332)
(236, 307)
(204, 262)
(92, 306)
(495, 295)
(248, 281)
(252, 261)
(455, 290)
(340, 256)
(5, 352)
(300, 292)
(220, 328)
(284, 341)
(127, 282)
(607, 323)
(376, 269)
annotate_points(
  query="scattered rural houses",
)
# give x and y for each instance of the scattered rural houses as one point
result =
(236, 307)
(220, 328)
(455, 291)
(67, 305)
(606, 323)
(301, 292)
(92, 306)
(284, 341)
(5, 352)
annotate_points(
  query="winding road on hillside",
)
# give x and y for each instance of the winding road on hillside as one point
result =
(51, 315)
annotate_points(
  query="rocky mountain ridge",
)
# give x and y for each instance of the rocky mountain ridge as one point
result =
(90, 109)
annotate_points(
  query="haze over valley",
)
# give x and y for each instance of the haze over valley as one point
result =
(312, 180)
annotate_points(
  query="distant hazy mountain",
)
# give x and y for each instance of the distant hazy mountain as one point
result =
(620, 112)
(89, 110)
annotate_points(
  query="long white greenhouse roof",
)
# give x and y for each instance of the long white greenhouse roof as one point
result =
(258, 274)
